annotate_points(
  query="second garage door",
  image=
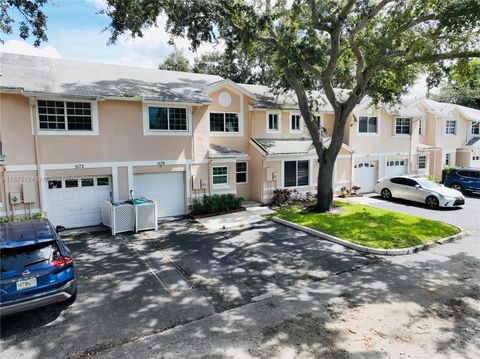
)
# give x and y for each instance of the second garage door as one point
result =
(166, 189)
(396, 168)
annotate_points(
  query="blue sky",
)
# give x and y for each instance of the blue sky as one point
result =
(75, 32)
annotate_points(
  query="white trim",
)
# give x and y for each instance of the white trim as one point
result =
(20, 168)
(22, 212)
(224, 192)
(188, 183)
(367, 134)
(230, 159)
(298, 157)
(146, 121)
(224, 133)
(279, 122)
(130, 181)
(236, 88)
(221, 185)
(115, 183)
(300, 122)
(94, 118)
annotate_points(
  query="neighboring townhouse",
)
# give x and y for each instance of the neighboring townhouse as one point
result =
(76, 133)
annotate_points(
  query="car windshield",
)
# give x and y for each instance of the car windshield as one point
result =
(425, 183)
(24, 257)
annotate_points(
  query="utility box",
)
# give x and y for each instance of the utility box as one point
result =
(15, 198)
(28, 190)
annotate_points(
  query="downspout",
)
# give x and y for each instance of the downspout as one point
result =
(33, 120)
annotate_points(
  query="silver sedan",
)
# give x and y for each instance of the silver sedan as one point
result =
(419, 190)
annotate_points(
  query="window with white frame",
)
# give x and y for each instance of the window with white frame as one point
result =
(64, 115)
(421, 126)
(242, 172)
(273, 122)
(448, 159)
(368, 124)
(422, 162)
(475, 158)
(295, 123)
(220, 175)
(475, 130)
(224, 122)
(402, 126)
(450, 127)
(296, 173)
(167, 118)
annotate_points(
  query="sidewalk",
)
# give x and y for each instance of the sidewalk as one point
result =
(367, 198)
(235, 220)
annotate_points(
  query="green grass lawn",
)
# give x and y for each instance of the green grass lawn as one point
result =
(369, 226)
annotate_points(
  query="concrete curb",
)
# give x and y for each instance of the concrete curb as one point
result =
(379, 251)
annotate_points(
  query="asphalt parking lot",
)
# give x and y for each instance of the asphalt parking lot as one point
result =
(135, 285)
(466, 216)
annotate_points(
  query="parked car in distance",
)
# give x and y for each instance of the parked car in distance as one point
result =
(419, 190)
(463, 179)
(36, 267)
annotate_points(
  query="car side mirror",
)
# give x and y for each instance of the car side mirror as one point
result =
(59, 229)
(417, 186)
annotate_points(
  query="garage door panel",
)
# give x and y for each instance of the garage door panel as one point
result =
(365, 176)
(166, 189)
(395, 168)
(76, 206)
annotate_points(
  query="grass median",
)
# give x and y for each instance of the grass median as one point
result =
(369, 226)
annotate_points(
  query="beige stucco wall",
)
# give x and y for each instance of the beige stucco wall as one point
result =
(13, 182)
(463, 158)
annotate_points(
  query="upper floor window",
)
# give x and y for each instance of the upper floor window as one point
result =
(295, 123)
(450, 127)
(167, 118)
(64, 115)
(402, 126)
(421, 126)
(224, 122)
(368, 124)
(273, 124)
(475, 128)
(296, 173)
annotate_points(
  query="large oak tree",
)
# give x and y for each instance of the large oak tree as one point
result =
(380, 46)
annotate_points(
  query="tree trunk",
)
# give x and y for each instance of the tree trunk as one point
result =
(325, 185)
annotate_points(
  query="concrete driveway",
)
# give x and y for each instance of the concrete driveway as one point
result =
(467, 216)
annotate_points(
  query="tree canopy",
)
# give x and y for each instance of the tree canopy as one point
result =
(175, 61)
(33, 20)
(378, 47)
(463, 84)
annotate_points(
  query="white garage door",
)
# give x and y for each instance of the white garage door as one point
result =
(75, 202)
(167, 189)
(475, 161)
(365, 176)
(395, 168)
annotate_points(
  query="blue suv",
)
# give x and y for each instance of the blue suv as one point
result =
(37, 269)
(463, 179)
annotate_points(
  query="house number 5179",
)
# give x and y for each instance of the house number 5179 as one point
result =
(79, 165)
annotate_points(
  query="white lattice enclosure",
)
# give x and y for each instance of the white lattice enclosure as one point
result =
(119, 217)
(146, 216)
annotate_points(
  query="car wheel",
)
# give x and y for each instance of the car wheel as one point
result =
(386, 194)
(457, 187)
(432, 202)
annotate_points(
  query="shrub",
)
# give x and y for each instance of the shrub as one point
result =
(445, 171)
(432, 178)
(281, 196)
(344, 192)
(21, 219)
(355, 189)
(216, 203)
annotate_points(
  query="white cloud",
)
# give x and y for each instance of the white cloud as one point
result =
(23, 48)
(99, 4)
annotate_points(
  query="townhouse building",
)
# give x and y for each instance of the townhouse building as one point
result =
(75, 133)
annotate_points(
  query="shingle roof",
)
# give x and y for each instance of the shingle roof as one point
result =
(85, 79)
(473, 142)
(222, 151)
